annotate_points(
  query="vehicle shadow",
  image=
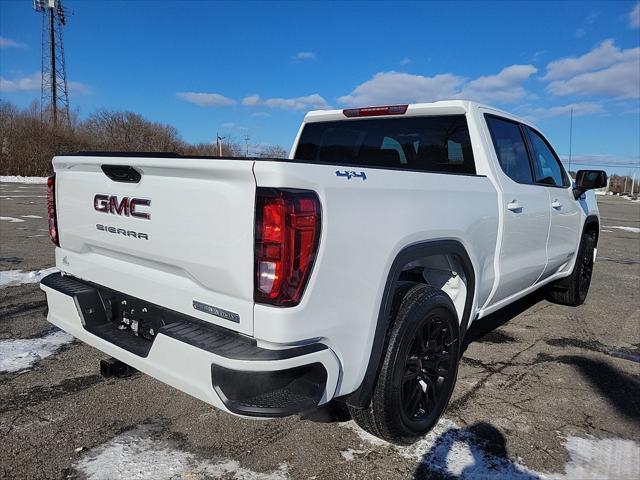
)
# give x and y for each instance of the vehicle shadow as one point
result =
(620, 389)
(447, 458)
(488, 324)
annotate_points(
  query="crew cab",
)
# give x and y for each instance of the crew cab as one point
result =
(350, 270)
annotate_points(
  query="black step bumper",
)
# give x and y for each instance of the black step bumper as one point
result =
(245, 391)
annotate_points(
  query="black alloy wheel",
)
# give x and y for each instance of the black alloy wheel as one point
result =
(419, 368)
(427, 368)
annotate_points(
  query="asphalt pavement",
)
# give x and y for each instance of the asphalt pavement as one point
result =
(544, 391)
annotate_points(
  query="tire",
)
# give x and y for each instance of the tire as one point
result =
(419, 368)
(572, 290)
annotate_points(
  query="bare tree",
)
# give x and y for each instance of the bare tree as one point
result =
(27, 144)
(272, 151)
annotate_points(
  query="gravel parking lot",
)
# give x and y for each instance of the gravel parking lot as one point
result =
(544, 391)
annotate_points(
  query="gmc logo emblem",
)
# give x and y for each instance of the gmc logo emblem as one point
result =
(127, 206)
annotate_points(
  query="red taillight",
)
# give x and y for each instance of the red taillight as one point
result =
(375, 111)
(51, 209)
(286, 243)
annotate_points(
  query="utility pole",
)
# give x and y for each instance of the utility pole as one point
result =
(246, 141)
(570, 136)
(219, 142)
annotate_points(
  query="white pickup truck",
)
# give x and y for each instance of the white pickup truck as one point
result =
(351, 270)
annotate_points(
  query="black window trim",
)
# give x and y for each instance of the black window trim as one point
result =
(524, 140)
(530, 151)
(553, 152)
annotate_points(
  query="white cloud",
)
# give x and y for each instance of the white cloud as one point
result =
(602, 56)
(233, 126)
(8, 43)
(405, 61)
(505, 87)
(579, 33)
(634, 16)
(313, 101)
(78, 88)
(298, 103)
(621, 80)
(592, 17)
(604, 71)
(538, 55)
(251, 100)
(305, 56)
(397, 87)
(25, 84)
(31, 83)
(579, 110)
(206, 99)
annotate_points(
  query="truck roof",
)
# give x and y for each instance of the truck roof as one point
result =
(441, 107)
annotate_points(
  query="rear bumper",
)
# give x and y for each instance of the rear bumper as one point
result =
(221, 367)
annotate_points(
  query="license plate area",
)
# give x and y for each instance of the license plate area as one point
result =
(134, 316)
(126, 321)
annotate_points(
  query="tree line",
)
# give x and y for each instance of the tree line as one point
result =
(27, 143)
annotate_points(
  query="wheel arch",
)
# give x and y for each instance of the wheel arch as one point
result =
(362, 396)
(592, 224)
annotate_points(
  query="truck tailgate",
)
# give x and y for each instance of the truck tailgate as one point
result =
(194, 254)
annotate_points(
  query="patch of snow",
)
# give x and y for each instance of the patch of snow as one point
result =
(30, 216)
(20, 354)
(140, 454)
(349, 455)
(18, 277)
(592, 458)
(626, 229)
(11, 197)
(453, 451)
(20, 179)
(11, 219)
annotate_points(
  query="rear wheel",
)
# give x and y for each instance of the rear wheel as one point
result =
(573, 289)
(419, 368)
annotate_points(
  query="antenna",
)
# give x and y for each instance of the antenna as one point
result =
(54, 95)
(570, 136)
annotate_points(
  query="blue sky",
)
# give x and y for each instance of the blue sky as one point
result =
(256, 68)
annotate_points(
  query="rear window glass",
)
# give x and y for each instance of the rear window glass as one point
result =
(430, 144)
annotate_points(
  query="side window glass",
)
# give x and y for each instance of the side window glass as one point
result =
(510, 148)
(454, 152)
(546, 165)
(392, 144)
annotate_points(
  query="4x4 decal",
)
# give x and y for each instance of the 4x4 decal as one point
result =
(349, 175)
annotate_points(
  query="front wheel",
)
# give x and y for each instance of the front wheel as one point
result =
(419, 370)
(573, 289)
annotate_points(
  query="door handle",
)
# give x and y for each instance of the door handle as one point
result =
(556, 204)
(514, 206)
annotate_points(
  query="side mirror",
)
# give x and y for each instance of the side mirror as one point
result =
(589, 180)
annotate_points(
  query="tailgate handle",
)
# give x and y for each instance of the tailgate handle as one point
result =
(122, 173)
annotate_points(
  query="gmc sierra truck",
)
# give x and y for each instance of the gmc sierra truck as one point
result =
(351, 270)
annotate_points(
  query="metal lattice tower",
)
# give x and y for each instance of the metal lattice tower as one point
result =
(54, 95)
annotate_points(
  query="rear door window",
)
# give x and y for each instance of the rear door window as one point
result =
(510, 148)
(546, 164)
(430, 144)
